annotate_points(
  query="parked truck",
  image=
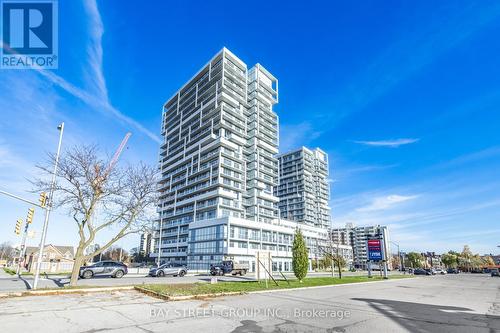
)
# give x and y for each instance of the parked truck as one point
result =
(228, 267)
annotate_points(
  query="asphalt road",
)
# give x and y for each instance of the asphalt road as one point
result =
(9, 283)
(452, 303)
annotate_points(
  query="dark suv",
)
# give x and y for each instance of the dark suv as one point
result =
(421, 271)
(114, 269)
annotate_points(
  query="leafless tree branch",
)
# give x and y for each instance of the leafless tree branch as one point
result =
(97, 198)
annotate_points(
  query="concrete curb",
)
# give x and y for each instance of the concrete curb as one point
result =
(204, 296)
(185, 297)
(320, 287)
(43, 292)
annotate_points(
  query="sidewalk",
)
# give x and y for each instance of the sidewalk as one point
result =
(4, 275)
(12, 282)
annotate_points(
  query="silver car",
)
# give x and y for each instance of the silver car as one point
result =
(168, 269)
(114, 269)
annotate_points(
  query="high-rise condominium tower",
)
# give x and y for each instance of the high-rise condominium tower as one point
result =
(303, 188)
(217, 159)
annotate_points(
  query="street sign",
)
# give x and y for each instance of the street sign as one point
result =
(263, 264)
(374, 250)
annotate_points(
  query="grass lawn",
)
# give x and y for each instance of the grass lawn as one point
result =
(247, 286)
(9, 271)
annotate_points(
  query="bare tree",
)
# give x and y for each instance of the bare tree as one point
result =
(7, 252)
(116, 253)
(99, 197)
(331, 253)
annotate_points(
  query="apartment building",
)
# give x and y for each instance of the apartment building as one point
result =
(217, 160)
(357, 237)
(304, 190)
(240, 239)
(146, 245)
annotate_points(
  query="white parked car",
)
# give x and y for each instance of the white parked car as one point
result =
(440, 271)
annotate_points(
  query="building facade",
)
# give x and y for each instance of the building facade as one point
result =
(55, 259)
(357, 237)
(431, 259)
(217, 160)
(240, 239)
(344, 251)
(303, 189)
(146, 245)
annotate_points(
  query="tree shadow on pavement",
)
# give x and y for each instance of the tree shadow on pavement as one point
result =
(57, 281)
(26, 283)
(419, 317)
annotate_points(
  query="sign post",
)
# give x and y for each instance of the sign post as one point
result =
(263, 265)
(384, 257)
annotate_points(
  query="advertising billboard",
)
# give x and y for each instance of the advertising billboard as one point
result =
(374, 250)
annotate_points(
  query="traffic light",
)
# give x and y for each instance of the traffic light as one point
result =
(43, 199)
(29, 218)
(19, 225)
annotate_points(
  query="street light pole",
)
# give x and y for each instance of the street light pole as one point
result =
(331, 254)
(22, 199)
(399, 257)
(23, 248)
(159, 243)
(48, 208)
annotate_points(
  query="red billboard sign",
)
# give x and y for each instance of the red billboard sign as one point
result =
(374, 250)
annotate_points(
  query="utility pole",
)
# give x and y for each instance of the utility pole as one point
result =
(331, 252)
(23, 249)
(399, 256)
(22, 253)
(19, 198)
(338, 258)
(48, 208)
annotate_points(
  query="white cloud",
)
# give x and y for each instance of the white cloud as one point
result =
(448, 214)
(388, 143)
(98, 97)
(386, 202)
(94, 49)
(343, 172)
(297, 135)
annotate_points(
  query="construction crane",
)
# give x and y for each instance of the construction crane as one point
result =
(101, 179)
(116, 156)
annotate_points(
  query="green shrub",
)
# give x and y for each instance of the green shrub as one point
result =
(300, 260)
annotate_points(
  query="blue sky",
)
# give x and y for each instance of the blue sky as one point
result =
(404, 96)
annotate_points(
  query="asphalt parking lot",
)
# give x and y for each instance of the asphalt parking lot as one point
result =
(452, 303)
